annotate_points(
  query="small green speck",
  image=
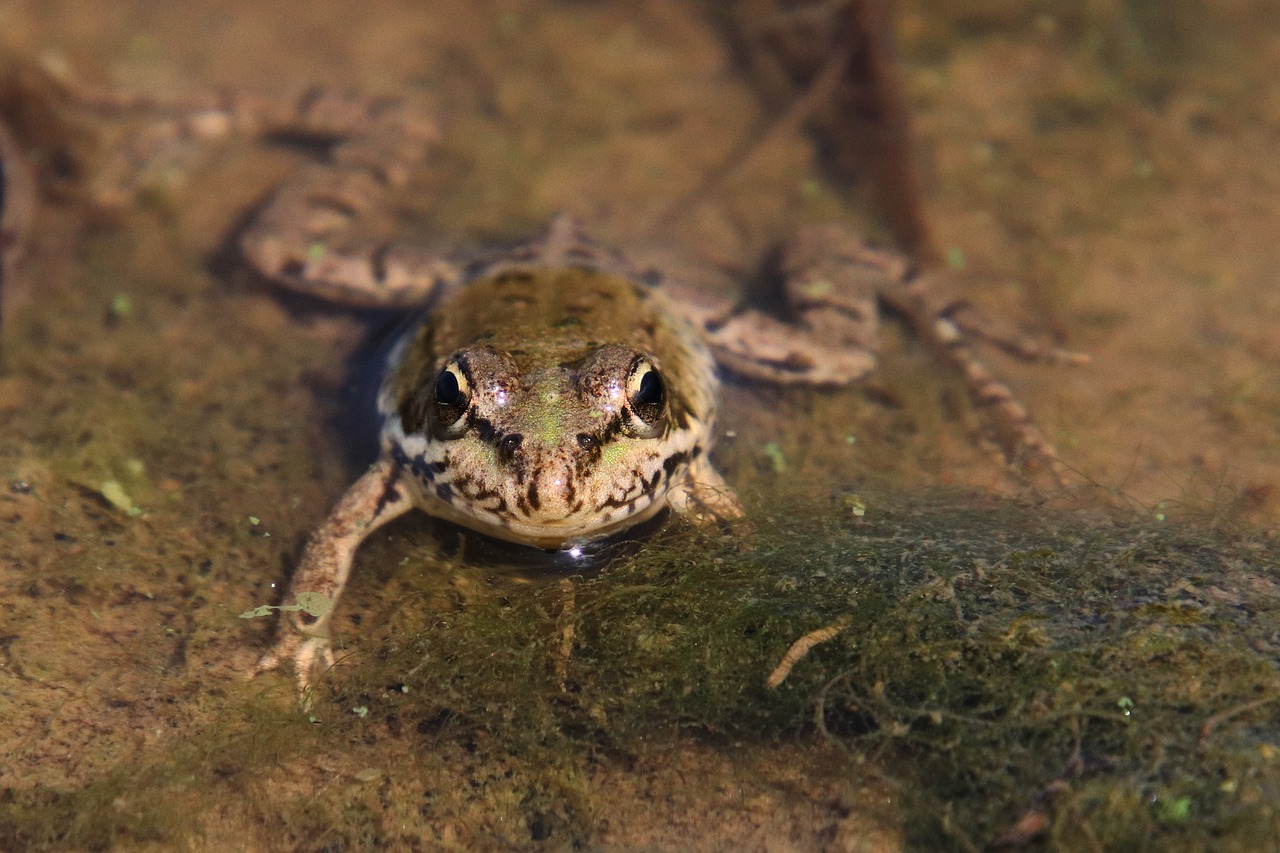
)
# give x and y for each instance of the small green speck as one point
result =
(135, 467)
(810, 190)
(96, 615)
(316, 252)
(368, 774)
(253, 519)
(955, 258)
(773, 453)
(360, 711)
(113, 493)
(851, 439)
(1125, 704)
(121, 306)
(854, 505)
(1144, 168)
(1173, 811)
(816, 289)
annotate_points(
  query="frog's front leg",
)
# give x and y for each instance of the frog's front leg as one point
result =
(317, 584)
(705, 498)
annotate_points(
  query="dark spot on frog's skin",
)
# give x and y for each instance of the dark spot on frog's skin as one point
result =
(674, 461)
(627, 503)
(653, 482)
(532, 494)
(444, 492)
(390, 493)
(507, 279)
(424, 471)
(794, 363)
(581, 253)
(606, 295)
(509, 447)
(378, 262)
(483, 428)
(651, 276)
(293, 269)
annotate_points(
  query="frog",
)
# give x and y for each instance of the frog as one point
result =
(557, 392)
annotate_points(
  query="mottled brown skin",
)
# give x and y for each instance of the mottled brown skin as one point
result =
(545, 336)
(551, 450)
(549, 399)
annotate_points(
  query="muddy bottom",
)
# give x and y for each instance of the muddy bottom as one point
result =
(1091, 666)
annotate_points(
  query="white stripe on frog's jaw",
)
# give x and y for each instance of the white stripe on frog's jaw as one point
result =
(545, 493)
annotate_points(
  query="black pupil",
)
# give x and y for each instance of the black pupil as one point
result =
(447, 390)
(651, 390)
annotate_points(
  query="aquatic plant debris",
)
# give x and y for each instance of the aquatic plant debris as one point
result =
(313, 603)
(802, 647)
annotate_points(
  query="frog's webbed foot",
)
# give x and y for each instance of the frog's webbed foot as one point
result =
(308, 656)
(303, 634)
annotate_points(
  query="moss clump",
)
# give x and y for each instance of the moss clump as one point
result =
(1094, 683)
(1103, 681)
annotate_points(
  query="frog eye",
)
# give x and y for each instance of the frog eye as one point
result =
(646, 398)
(452, 396)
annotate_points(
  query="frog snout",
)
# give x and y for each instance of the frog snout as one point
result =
(553, 495)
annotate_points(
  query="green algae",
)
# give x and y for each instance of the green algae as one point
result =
(1116, 680)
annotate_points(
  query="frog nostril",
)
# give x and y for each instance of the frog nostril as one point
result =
(509, 447)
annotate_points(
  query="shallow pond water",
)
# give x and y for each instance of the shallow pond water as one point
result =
(1092, 667)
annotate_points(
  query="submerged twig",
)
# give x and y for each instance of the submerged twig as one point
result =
(801, 648)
